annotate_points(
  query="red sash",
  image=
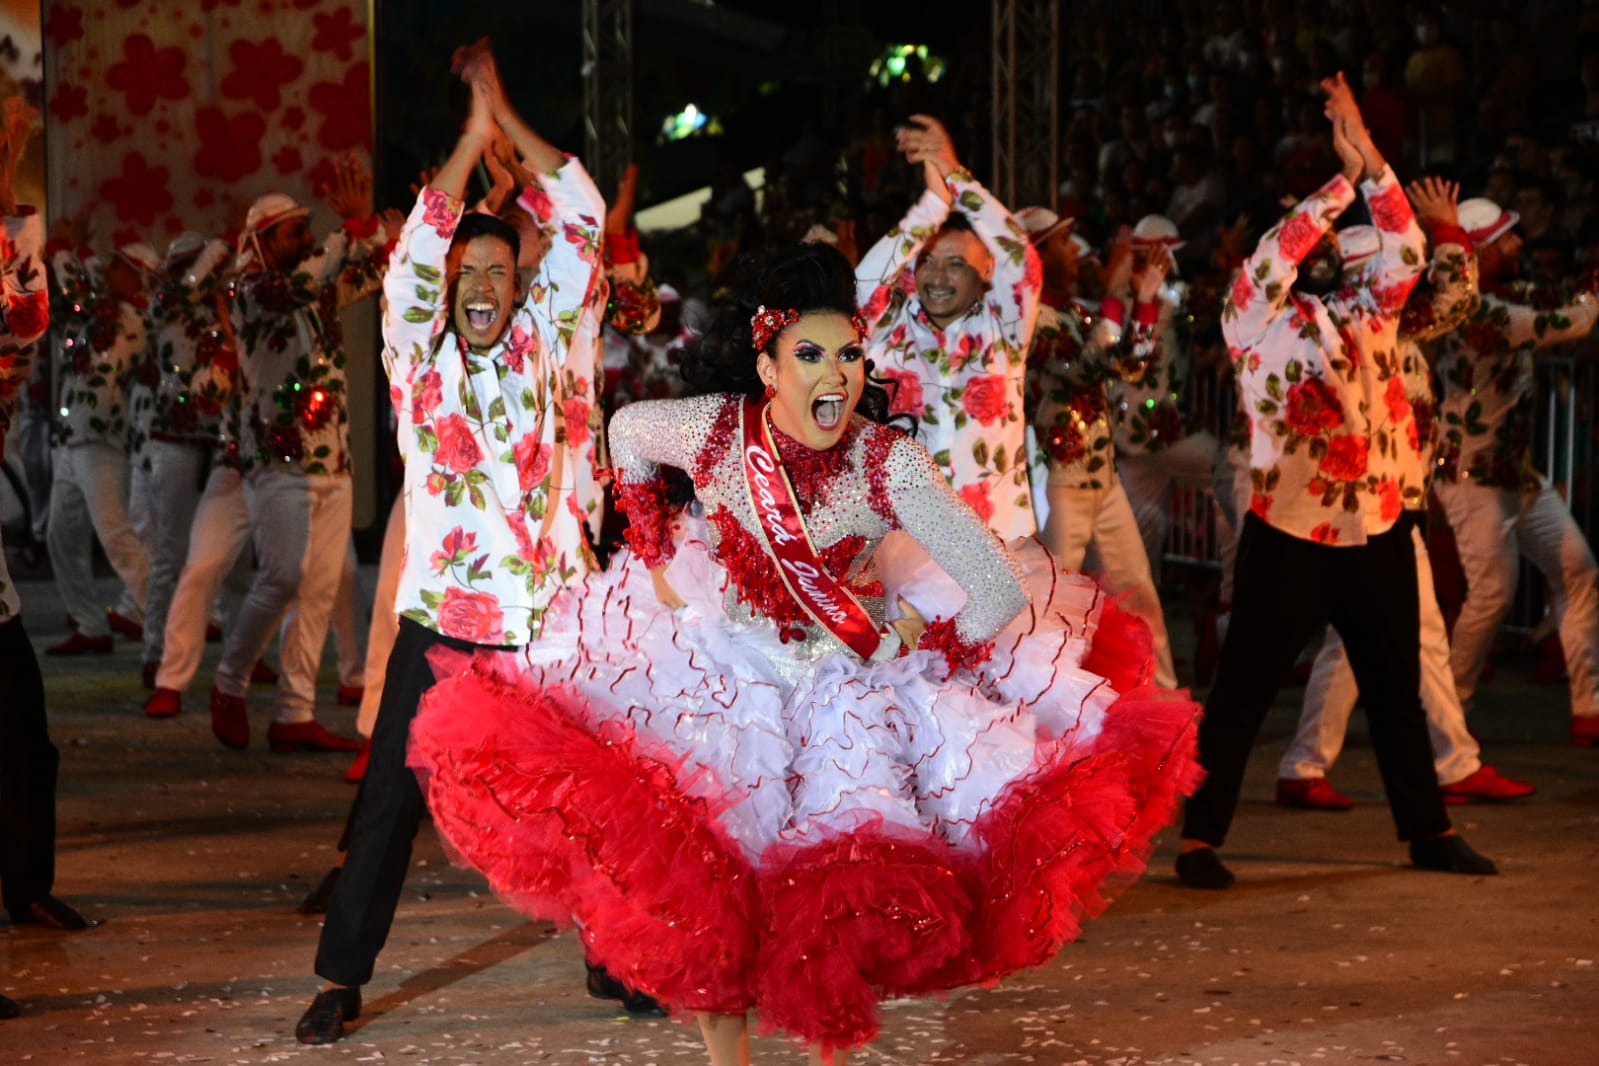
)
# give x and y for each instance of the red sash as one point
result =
(785, 538)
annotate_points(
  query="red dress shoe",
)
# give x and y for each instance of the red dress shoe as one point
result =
(213, 633)
(1585, 730)
(78, 644)
(165, 703)
(262, 674)
(147, 675)
(1311, 793)
(1486, 784)
(350, 695)
(230, 719)
(357, 770)
(307, 736)
(124, 625)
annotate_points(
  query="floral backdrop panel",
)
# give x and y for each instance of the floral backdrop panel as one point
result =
(167, 115)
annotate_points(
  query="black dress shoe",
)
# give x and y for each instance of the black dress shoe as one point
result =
(50, 913)
(642, 1006)
(9, 1008)
(316, 902)
(1201, 869)
(1451, 855)
(323, 1021)
(602, 985)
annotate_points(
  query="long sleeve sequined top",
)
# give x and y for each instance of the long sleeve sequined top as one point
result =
(199, 367)
(963, 382)
(874, 481)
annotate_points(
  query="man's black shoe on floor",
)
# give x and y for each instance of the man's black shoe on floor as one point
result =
(323, 1021)
(1201, 868)
(1452, 855)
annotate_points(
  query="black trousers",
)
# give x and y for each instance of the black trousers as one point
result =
(28, 765)
(383, 822)
(1286, 590)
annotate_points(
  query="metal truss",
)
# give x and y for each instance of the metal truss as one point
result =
(607, 90)
(1026, 103)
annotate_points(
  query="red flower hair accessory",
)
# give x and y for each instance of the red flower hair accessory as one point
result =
(862, 327)
(766, 323)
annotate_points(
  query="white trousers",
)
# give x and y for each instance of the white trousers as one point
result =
(218, 536)
(1150, 480)
(1105, 518)
(1331, 693)
(1493, 528)
(86, 501)
(349, 622)
(175, 471)
(385, 622)
(300, 526)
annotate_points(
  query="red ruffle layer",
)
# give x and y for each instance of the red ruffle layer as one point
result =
(572, 817)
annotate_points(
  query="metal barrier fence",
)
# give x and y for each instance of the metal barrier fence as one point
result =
(1567, 430)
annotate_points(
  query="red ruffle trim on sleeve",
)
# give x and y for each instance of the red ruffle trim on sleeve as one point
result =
(569, 819)
(958, 652)
(649, 519)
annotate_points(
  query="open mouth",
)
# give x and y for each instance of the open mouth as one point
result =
(480, 314)
(939, 295)
(828, 410)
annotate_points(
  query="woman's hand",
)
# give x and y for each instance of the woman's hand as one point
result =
(664, 591)
(910, 626)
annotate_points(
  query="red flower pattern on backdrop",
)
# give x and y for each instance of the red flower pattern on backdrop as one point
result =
(259, 72)
(287, 160)
(147, 74)
(230, 148)
(292, 118)
(105, 128)
(69, 102)
(140, 192)
(64, 24)
(346, 110)
(336, 32)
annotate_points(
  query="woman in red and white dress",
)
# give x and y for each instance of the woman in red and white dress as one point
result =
(846, 803)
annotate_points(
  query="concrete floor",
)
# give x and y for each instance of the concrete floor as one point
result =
(1329, 950)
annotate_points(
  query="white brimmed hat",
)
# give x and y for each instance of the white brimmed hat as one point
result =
(1157, 229)
(1356, 243)
(1485, 221)
(269, 210)
(1041, 223)
(141, 257)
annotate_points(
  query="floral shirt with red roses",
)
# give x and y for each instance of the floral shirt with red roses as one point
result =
(198, 364)
(97, 364)
(1486, 368)
(1076, 353)
(25, 313)
(963, 383)
(293, 415)
(1313, 375)
(492, 441)
(1146, 405)
(1443, 301)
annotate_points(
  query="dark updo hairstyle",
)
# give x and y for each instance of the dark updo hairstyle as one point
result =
(805, 278)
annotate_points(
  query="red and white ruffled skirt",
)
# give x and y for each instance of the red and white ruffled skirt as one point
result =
(736, 826)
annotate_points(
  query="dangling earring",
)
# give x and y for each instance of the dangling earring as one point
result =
(770, 392)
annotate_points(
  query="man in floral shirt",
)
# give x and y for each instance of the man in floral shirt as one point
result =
(1156, 449)
(28, 760)
(294, 447)
(1444, 301)
(952, 338)
(1314, 345)
(1499, 505)
(196, 370)
(1074, 354)
(478, 377)
(88, 494)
